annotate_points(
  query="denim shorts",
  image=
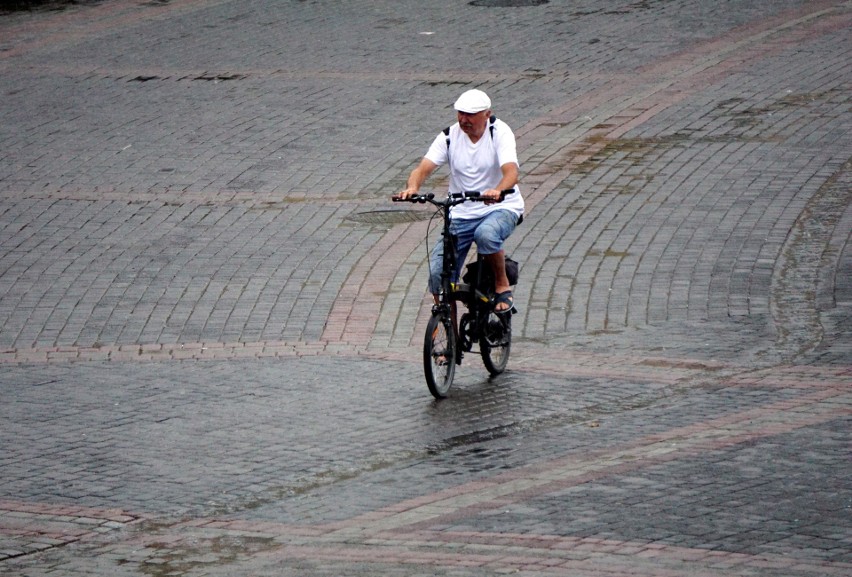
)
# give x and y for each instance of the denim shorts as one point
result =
(488, 232)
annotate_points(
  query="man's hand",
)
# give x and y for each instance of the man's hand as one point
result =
(406, 193)
(491, 196)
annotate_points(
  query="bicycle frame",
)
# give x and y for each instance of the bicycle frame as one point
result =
(448, 337)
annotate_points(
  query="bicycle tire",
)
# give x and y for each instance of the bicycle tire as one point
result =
(439, 354)
(495, 344)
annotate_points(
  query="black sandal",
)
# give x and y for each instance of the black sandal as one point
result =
(504, 297)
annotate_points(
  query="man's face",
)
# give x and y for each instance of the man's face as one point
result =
(473, 124)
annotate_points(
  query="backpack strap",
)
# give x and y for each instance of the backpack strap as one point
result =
(491, 122)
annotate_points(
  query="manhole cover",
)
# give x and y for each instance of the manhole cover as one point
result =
(507, 3)
(389, 216)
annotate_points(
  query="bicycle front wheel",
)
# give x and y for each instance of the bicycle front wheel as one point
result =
(439, 354)
(496, 342)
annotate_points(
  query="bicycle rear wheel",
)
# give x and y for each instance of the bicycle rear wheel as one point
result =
(496, 342)
(439, 354)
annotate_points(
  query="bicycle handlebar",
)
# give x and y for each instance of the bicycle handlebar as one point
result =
(452, 199)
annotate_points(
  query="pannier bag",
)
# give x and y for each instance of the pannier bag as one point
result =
(486, 281)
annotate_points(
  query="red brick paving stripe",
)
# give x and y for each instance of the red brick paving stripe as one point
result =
(797, 377)
(540, 553)
(542, 544)
(182, 74)
(502, 561)
(57, 510)
(176, 352)
(531, 359)
(621, 367)
(37, 527)
(590, 556)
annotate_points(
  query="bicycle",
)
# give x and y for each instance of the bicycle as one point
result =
(446, 341)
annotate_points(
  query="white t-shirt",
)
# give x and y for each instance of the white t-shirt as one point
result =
(477, 166)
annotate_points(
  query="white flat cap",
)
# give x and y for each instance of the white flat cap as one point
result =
(473, 101)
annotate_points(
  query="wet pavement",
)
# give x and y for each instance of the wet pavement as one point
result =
(211, 317)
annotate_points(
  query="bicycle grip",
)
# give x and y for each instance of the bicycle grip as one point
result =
(421, 198)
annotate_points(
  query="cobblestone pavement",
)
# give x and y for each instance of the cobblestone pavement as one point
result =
(211, 316)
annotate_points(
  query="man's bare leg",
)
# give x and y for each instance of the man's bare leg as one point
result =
(497, 262)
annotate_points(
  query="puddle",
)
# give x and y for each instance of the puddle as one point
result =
(507, 3)
(180, 559)
(389, 217)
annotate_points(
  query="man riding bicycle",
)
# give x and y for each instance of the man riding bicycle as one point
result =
(481, 152)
